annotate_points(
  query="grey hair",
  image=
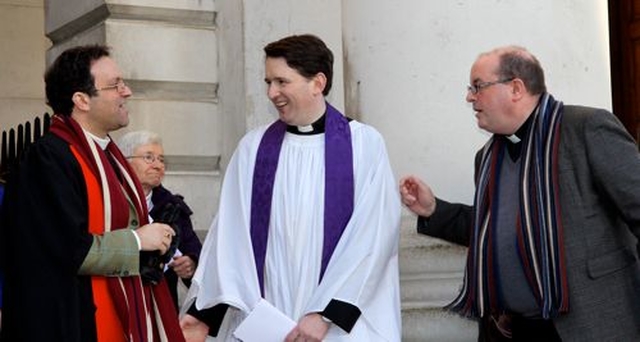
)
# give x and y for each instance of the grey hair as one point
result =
(132, 140)
(517, 62)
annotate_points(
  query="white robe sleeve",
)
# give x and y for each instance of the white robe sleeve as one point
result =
(226, 272)
(363, 269)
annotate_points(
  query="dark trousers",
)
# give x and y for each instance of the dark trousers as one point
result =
(494, 329)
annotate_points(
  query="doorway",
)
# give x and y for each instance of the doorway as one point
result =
(624, 40)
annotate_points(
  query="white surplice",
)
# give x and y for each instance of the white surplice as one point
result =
(363, 269)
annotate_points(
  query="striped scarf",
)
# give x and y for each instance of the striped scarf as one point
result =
(539, 226)
(145, 312)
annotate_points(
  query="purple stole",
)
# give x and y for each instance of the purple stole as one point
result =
(338, 194)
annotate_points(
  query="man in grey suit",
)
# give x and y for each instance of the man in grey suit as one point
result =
(553, 230)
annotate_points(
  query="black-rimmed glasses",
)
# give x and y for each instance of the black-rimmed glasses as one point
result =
(475, 88)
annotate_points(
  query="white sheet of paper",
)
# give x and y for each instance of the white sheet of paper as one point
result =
(177, 254)
(264, 324)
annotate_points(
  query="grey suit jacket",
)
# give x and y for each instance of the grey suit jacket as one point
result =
(599, 179)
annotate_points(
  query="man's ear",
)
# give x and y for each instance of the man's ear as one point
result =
(319, 83)
(518, 89)
(81, 101)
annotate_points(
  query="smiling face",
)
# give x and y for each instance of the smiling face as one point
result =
(106, 111)
(299, 100)
(150, 174)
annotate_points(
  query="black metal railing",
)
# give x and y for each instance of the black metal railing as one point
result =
(16, 140)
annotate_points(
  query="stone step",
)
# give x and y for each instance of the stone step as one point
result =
(431, 273)
(436, 325)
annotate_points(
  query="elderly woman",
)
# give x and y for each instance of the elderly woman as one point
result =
(144, 152)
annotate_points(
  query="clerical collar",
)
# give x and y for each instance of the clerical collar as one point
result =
(513, 138)
(316, 127)
(102, 142)
(521, 132)
(514, 147)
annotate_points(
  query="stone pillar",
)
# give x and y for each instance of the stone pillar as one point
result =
(167, 50)
(21, 62)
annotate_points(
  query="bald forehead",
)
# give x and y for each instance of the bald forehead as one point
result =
(513, 50)
(485, 66)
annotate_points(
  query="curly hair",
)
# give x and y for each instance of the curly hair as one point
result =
(307, 54)
(71, 73)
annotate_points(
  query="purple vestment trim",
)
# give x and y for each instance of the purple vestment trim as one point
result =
(339, 186)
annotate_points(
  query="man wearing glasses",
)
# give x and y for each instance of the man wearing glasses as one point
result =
(76, 221)
(552, 232)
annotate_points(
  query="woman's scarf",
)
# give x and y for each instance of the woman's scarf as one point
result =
(145, 311)
(539, 225)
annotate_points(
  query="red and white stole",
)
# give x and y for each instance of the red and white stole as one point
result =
(127, 308)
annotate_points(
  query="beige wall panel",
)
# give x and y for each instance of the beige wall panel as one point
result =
(22, 3)
(22, 58)
(200, 192)
(200, 5)
(17, 111)
(94, 35)
(186, 128)
(61, 12)
(21, 61)
(160, 52)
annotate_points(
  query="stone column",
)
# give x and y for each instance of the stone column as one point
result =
(21, 62)
(167, 50)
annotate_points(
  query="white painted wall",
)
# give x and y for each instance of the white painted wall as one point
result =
(267, 21)
(407, 66)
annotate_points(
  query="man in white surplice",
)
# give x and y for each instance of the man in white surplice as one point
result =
(308, 220)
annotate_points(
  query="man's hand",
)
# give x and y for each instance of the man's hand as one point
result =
(193, 329)
(417, 196)
(311, 328)
(184, 266)
(155, 237)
